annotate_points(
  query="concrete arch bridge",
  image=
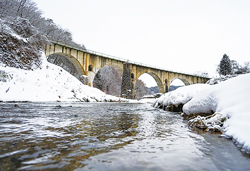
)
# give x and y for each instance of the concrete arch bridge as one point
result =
(84, 64)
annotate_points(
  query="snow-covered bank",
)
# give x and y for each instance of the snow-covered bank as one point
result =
(51, 83)
(179, 96)
(229, 100)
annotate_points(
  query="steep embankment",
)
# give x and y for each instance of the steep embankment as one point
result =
(25, 74)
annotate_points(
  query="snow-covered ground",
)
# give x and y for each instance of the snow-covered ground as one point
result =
(51, 83)
(180, 96)
(229, 100)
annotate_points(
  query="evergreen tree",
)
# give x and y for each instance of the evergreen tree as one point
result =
(225, 67)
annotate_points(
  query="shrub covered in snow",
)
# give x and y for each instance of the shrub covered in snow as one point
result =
(217, 80)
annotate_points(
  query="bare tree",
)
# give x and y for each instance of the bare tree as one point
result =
(246, 67)
(20, 8)
(202, 73)
(140, 89)
(8, 8)
(11, 9)
(108, 80)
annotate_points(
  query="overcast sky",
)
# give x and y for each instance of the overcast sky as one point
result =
(182, 35)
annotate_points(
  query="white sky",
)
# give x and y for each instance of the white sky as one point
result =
(182, 35)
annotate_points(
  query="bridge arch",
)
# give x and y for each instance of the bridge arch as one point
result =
(116, 67)
(185, 81)
(67, 62)
(108, 79)
(157, 79)
(91, 74)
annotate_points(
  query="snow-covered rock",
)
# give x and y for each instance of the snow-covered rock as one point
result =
(179, 96)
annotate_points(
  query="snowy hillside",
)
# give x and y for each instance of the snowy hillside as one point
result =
(228, 100)
(51, 83)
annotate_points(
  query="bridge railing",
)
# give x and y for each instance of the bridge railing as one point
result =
(135, 63)
(131, 62)
(125, 60)
(106, 55)
(139, 63)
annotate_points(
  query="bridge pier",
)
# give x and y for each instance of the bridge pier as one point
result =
(127, 88)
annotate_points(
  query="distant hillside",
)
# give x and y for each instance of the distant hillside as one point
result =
(173, 87)
(153, 90)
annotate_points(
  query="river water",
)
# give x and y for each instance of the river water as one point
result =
(108, 136)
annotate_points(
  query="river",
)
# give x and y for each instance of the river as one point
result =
(108, 136)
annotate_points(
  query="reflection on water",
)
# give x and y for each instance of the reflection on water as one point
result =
(104, 136)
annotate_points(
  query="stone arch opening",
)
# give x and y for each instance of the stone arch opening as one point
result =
(115, 67)
(182, 79)
(177, 82)
(108, 80)
(70, 64)
(157, 81)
